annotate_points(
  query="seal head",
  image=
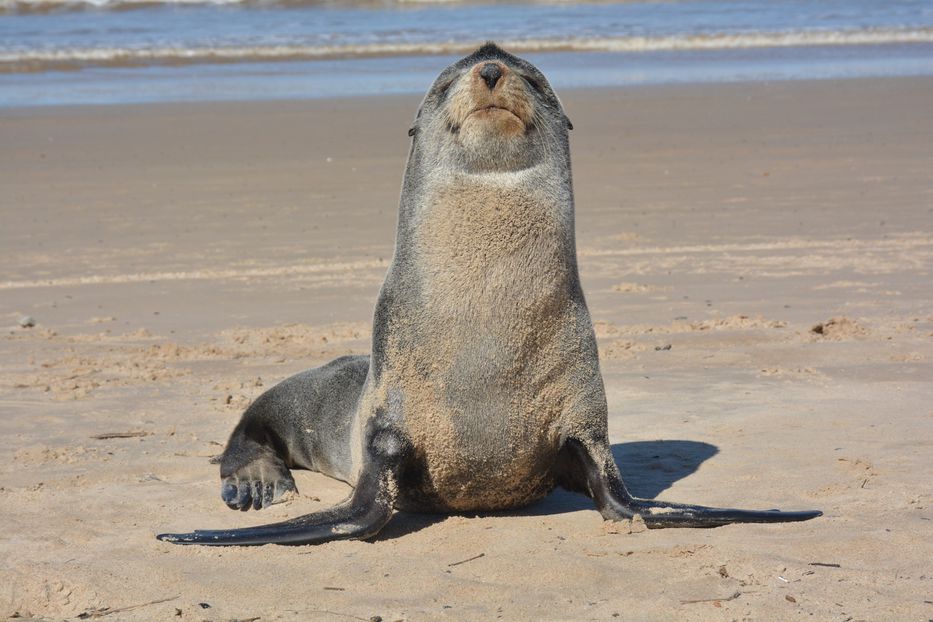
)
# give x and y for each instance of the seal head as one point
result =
(490, 111)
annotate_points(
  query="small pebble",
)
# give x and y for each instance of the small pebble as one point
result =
(27, 321)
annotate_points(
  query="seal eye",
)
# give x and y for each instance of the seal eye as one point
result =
(443, 88)
(535, 85)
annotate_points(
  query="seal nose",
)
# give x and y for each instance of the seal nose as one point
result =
(490, 73)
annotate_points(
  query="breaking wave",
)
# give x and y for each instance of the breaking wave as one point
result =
(51, 6)
(23, 61)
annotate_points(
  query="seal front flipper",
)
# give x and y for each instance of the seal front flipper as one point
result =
(253, 475)
(361, 516)
(303, 422)
(592, 467)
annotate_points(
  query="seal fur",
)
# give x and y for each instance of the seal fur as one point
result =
(483, 390)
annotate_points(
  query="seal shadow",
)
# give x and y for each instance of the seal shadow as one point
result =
(648, 469)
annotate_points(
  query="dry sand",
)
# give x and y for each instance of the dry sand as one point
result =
(178, 260)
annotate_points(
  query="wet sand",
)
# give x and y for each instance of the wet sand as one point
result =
(179, 259)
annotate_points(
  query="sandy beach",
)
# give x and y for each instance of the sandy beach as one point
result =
(757, 258)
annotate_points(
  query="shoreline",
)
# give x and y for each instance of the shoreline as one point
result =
(608, 90)
(409, 75)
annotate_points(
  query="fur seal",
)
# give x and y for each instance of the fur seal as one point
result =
(483, 390)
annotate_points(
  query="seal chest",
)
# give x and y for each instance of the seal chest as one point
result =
(490, 248)
(491, 281)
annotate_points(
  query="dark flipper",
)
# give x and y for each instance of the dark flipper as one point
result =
(597, 471)
(351, 519)
(361, 516)
(253, 475)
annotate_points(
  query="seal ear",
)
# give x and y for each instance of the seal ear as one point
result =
(414, 124)
(569, 123)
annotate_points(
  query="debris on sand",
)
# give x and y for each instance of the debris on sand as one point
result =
(839, 328)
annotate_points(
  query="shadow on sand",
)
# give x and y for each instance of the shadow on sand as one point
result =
(648, 468)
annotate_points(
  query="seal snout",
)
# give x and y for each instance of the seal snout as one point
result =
(491, 96)
(490, 73)
(490, 111)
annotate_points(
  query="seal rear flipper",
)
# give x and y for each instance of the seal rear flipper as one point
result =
(361, 516)
(604, 483)
(353, 519)
(659, 514)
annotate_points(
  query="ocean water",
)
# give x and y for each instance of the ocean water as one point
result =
(126, 51)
